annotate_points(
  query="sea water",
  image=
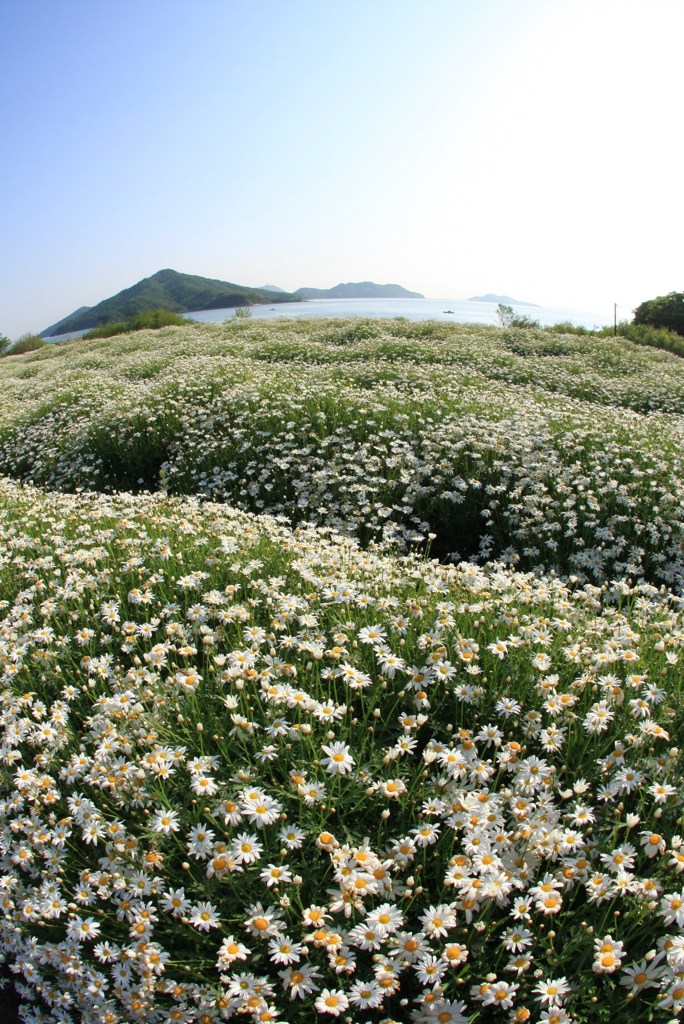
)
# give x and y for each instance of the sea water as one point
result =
(458, 310)
(455, 310)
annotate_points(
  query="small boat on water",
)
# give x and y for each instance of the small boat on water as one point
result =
(447, 310)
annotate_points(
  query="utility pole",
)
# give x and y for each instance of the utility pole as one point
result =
(615, 319)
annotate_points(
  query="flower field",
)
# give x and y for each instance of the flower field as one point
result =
(544, 451)
(371, 711)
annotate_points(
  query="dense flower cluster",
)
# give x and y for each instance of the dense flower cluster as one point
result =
(545, 452)
(257, 773)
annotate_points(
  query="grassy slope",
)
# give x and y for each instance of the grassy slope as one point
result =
(359, 424)
(555, 451)
(93, 588)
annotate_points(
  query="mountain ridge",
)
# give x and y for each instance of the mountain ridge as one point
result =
(359, 290)
(186, 293)
(167, 289)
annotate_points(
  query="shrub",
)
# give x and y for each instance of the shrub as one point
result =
(640, 334)
(567, 327)
(509, 318)
(505, 314)
(148, 320)
(27, 343)
(652, 337)
(243, 312)
(664, 311)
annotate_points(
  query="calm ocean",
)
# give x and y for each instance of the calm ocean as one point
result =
(461, 311)
(413, 309)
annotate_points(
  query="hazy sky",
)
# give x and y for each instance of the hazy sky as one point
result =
(531, 147)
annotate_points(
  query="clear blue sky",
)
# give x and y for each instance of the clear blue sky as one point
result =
(531, 147)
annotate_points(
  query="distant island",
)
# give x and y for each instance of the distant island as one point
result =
(167, 289)
(505, 300)
(186, 293)
(358, 290)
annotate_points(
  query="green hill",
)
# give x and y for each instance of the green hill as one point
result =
(167, 289)
(359, 290)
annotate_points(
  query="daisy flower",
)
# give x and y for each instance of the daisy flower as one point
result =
(501, 994)
(436, 921)
(427, 834)
(247, 848)
(430, 969)
(519, 964)
(284, 950)
(372, 635)
(263, 811)
(292, 837)
(607, 955)
(366, 936)
(386, 918)
(552, 991)
(454, 953)
(263, 923)
(165, 821)
(313, 792)
(204, 916)
(332, 1001)
(274, 875)
(176, 902)
(517, 939)
(521, 908)
(231, 949)
(391, 788)
(81, 929)
(200, 841)
(642, 975)
(555, 1015)
(407, 947)
(203, 785)
(299, 981)
(366, 994)
(315, 916)
(652, 843)
(339, 760)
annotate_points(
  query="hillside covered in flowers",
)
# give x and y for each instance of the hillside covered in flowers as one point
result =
(342, 676)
